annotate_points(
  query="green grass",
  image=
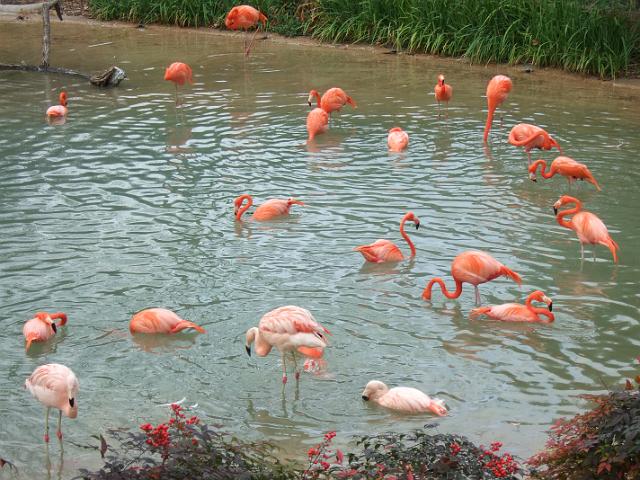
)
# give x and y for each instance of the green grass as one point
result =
(598, 37)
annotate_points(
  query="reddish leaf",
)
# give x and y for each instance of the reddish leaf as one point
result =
(628, 385)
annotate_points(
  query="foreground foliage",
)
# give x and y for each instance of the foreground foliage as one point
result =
(602, 443)
(599, 37)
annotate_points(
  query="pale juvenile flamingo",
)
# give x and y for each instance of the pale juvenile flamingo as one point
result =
(444, 92)
(244, 17)
(587, 226)
(472, 267)
(58, 110)
(179, 73)
(317, 122)
(55, 386)
(403, 399)
(397, 140)
(564, 166)
(42, 327)
(497, 91)
(269, 210)
(292, 330)
(160, 320)
(530, 137)
(387, 251)
(516, 312)
(332, 100)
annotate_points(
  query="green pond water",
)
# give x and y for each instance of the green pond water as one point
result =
(128, 205)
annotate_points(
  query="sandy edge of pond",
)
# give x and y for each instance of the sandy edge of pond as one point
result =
(626, 86)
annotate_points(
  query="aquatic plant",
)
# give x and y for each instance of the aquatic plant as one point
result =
(602, 443)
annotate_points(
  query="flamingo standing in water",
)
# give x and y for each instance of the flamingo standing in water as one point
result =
(387, 251)
(42, 327)
(444, 92)
(317, 123)
(530, 137)
(160, 320)
(269, 210)
(587, 226)
(564, 166)
(332, 100)
(55, 386)
(179, 73)
(516, 312)
(403, 399)
(497, 91)
(397, 140)
(292, 330)
(472, 267)
(244, 17)
(58, 110)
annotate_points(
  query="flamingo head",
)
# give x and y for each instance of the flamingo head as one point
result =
(63, 99)
(293, 201)
(250, 338)
(313, 94)
(541, 297)
(44, 317)
(374, 389)
(437, 407)
(564, 199)
(230, 21)
(411, 217)
(441, 80)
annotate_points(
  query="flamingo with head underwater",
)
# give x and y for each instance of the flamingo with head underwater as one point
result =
(472, 267)
(589, 228)
(292, 330)
(565, 166)
(397, 139)
(276, 207)
(317, 123)
(497, 91)
(387, 251)
(516, 312)
(244, 17)
(160, 320)
(530, 137)
(403, 399)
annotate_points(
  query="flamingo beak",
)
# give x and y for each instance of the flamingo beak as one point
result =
(550, 306)
(555, 210)
(55, 329)
(248, 349)
(548, 301)
(532, 177)
(417, 225)
(72, 401)
(365, 398)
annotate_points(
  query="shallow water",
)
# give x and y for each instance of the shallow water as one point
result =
(129, 205)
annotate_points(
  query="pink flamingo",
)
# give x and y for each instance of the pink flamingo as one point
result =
(160, 320)
(530, 137)
(59, 110)
(245, 17)
(42, 327)
(291, 330)
(587, 226)
(403, 399)
(516, 312)
(497, 91)
(443, 91)
(397, 140)
(179, 73)
(332, 100)
(55, 386)
(269, 210)
(317, 123)
(387, 251)
(472, 267)
(564, 166)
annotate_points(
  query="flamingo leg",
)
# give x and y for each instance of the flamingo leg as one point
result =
(284, 370)
(295, 367)
(529, 157)
(59, 431)
(251, 42)
(594, 253)
(477, 295)
(46, 425)
(582, 251)
(176, 93)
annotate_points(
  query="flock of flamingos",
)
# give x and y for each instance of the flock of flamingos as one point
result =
(292, 330)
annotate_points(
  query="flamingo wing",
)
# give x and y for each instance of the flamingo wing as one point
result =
(380, 251)
(406, 399)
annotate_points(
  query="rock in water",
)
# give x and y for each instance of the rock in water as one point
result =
(109, 78)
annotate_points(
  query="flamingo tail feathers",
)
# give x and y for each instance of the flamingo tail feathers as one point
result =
(187, 324)
(511, 274)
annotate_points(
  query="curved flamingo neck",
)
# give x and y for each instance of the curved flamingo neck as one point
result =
(455, 294)
(406, 237)
(317, 95)
(244, 207)
(539, 311)
(487, 125)
(543, 169)
(59, 316)
(561, 214)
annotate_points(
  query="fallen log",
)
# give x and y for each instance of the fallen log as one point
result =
(111, 77)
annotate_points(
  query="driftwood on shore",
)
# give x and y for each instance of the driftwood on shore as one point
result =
(110, 77)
